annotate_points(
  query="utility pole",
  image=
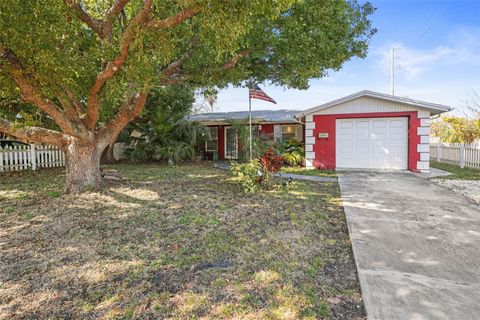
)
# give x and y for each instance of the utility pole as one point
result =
(393, 72)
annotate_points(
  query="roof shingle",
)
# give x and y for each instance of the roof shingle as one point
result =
(278, 116)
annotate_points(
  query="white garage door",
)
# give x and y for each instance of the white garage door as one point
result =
(373, 143)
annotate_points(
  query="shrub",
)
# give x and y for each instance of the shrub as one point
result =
(293, 153)
(249, 174)
(176, 153)
(258, 172)
(271, 162)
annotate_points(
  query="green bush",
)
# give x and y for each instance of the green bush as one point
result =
(161, 132)
(293, 153)
(249, 174)
(259, 172)
(176, 153)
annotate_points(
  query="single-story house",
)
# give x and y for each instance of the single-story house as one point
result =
(365, 130)
(278, 125)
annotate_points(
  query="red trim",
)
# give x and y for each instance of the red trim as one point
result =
(221, 142)
(324, 148)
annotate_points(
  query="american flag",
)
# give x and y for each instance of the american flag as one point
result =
(257, 93)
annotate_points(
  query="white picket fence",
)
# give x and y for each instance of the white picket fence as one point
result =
(460, 154)
(30, 157)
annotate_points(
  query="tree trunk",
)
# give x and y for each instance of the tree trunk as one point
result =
(83, 166)
(107, 155)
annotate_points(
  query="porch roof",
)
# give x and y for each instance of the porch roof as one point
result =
(258, 116)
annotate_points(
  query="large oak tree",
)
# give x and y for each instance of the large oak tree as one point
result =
(87, 66)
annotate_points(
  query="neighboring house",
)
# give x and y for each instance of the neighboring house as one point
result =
(278, 125)
(366, 130)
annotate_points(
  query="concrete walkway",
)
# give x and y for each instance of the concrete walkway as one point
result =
(304, 177)
(416, 246)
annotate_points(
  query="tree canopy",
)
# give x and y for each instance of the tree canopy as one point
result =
(89, 65)
(456, 129)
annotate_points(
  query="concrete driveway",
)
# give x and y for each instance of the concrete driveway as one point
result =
(416, 246)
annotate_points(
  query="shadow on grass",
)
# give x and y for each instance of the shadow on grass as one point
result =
(173, 242)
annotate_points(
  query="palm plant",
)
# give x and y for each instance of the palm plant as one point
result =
(162, 132)
(293, 152)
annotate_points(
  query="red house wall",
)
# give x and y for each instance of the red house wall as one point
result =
(267, 129)
(324, 148)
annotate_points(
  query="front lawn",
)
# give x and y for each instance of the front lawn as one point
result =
(173, 243)
(309, 172)
(458, 173)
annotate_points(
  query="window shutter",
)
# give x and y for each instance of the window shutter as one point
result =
(277, 133)
(299, 133)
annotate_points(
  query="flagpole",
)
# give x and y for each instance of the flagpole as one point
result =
(250, 122)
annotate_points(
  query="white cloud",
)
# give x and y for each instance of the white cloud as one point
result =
(410, 62)
(443, 74)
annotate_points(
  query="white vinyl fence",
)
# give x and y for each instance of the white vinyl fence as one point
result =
(30, 157)
(460, 154)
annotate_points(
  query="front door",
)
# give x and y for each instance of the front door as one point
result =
(231, 143)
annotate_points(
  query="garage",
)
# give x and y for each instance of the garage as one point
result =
(372, 143)
(369, 130)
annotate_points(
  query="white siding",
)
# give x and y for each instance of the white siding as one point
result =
(367, 105)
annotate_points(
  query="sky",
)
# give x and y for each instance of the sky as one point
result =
(437, 54)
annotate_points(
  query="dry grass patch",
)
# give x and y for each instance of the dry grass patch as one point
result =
(173, 243)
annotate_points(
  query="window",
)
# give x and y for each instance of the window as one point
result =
(289, 132)
(211, 144)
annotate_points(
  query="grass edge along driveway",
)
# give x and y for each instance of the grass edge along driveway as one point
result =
(465, 173)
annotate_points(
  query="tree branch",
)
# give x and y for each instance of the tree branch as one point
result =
(95, 24)
(80, 109)
(112, 14)
(174, 20)
(35, 134)
(132, 109)
(67, 105)
(93, 99)
(102, 28)
(233, 62)
(171, 77)
(31, 94)
(173, 67)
